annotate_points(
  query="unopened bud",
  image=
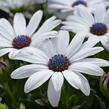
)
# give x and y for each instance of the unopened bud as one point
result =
(104, 84)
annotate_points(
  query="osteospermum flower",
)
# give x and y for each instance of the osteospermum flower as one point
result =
(20, 36)
(63, 8)
(95, 26)
(59, 59)
(6, 5)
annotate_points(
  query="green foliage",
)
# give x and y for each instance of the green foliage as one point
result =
(3, 106)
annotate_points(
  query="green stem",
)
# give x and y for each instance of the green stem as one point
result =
(9, 92)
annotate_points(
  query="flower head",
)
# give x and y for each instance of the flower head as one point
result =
(63, 8)
(21, 36)
(93, 25)
(59, 59)
(58, 63)
(21, 41)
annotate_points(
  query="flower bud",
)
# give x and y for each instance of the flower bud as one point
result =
(3, 65)
(104, 84)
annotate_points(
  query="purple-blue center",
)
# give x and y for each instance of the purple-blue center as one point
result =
(58, 63)
(98, 29)
(79, 2)
(21, 41)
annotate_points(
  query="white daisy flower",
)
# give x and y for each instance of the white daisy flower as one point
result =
(6, 5)
(60, 59)
(20, 36)
(94, 26)
(63, 8)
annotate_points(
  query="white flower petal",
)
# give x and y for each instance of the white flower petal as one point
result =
(5, 34)
(106, 18)
(96, 61)
(19, 24)
(34, 22)
(26, 71)
(85, 14)
(85, 52)
(77, 81)
(87, 68)
(37, 79)
(57, 80)
(91, 42)
(75, 27)
(32, 55)
(53, 95)
(58, 6)
(97, 13)
(4, 51)
(48, 25)
(105, 42)
(6, 29)
(48, 48)
(73, 80)
(62, 42)
(77, 19)
(75, 44)
(5, 43)
(42, 37)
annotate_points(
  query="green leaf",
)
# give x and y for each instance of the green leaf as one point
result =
(101, 102)
(40, 102)
(77, 107)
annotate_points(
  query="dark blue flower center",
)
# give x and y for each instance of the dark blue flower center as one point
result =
(59, 63)
(79, 2)
(21, 41)
(98, 29)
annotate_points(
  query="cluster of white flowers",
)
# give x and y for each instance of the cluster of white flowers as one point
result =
(6, 5)
(63, 8)
(51, 54)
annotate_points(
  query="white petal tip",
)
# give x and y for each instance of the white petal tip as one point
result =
(87, 94)
(53, 17)
(102, 73)
(26, 90)
(13, 76)
(54, 106)
(106, 64)
(40, 11)
(59, 22)
(102, 48)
